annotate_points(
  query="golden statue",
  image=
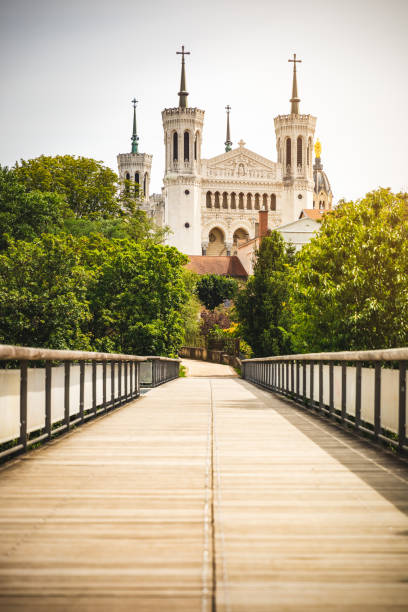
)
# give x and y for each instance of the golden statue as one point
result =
(318, 148)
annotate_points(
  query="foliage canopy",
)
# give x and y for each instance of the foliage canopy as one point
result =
(213, 289)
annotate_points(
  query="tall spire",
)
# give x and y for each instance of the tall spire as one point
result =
(228, 143)
(183, 93)
(294, 109)
(135, 137)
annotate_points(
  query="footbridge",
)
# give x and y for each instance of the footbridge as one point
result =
(126, 488)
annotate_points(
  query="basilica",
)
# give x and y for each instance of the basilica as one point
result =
(212, 206)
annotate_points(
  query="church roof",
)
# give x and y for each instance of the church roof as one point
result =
(312, 213)
(223, 265)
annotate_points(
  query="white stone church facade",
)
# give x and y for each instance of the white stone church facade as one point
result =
(212, 205)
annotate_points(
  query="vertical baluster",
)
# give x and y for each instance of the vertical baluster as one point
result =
(82, 390)
(297, 379)
(119, 383)
(67, 371)
(23, 402)
(94, 386)
(343, 391)
(402, 405)
(112, 368)
(104, 406)
(331, 388)
(321, 386)
(48, 421)
(377, 399)
(131, 368)
(358, 395)
(304, 382)
(126, 380)
(311, 383)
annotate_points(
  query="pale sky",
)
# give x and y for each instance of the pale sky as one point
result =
(69, 70)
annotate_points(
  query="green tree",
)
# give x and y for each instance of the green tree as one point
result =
(89, 187)
(262, 305)
(137, 297)
(351, 281)
(213, 289)
(25, 215)
(43, 290)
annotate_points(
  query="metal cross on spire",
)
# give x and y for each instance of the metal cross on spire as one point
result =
(294, 100)
(135, 137)
(228, 143)
(183, 93)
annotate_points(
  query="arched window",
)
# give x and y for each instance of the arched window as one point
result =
(175, 146)
(279, 151)
(249, 201)
(186, 146)
(257, 198)
(127, 176)
(195, 146)
(273, 202)
(137, 177)
(299, 150)
(233, 200)
(225, 200)
(144, 183)
(217, 200)
(241, 201)
(288, 152)
(265, 201)
(208, 199)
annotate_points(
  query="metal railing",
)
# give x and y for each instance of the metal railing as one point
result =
(354, 388)
(158, 370)
(38, 403)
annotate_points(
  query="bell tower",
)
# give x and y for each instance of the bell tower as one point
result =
(135, 166)
(294, 143)
(183, 128)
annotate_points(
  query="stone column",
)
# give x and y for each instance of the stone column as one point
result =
(228, 201)
(228, 246)
(204, 247)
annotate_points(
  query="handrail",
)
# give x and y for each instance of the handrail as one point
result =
(40, 354)
(396, 354)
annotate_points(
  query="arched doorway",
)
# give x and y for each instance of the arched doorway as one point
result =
(216, 242)
(240, 237)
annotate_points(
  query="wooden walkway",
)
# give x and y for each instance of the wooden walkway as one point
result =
(204, 488)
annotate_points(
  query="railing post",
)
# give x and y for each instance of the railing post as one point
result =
(377, 399)
(402, 418)
(292, 373)
(104, 385)
(343, 391)
(67, 366)
(331, 389)
(112, 368)
(311, 383)
(119, 382)
(48, 374)
(304, 382)
(297, 378)
(358, 396)
(94, 386)
(125, 364)
(131, 369)
(137, 378)
(81, 390)
(321, 386)
(23, 403)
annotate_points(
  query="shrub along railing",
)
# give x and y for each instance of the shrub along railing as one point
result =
(362, 389)
(37, 403)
